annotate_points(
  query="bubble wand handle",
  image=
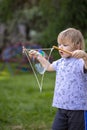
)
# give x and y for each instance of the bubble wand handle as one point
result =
(55, 47)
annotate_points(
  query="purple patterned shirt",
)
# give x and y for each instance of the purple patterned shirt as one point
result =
(71, 84)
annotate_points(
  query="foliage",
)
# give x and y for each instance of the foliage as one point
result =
(5, 11)
(74, 14)
(50, 31)
(61, 15)
(86, 44)
(47, 17)
(8, 8)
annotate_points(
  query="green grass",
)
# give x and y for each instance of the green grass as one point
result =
(23, 106)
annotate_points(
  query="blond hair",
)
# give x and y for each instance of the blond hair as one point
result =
(73, 36)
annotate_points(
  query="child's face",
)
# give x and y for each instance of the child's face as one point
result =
(65, 46)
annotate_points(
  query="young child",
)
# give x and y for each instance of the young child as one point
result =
(70, 94)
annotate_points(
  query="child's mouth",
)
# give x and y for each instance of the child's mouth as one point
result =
(61, 53)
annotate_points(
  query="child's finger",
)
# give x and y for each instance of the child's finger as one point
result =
(33, 52)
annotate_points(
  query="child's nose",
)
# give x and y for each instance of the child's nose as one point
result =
(61, 46)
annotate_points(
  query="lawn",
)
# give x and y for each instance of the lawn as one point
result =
(23, 106)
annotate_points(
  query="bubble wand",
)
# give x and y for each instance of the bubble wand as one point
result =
(55, 47)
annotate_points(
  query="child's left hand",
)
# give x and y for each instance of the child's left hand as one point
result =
(79, 54)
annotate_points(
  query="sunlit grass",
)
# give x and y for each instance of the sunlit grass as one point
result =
(23, 106)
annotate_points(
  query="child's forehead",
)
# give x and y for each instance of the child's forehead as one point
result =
(63, 40)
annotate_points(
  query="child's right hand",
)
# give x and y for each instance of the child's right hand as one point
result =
(34, 53)
(31, 53)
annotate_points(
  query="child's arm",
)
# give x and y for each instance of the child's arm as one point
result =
(85, 60)
(81, 54)
(44, 62)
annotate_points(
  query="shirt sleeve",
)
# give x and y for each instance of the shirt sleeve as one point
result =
(55, 64)
(81, 65)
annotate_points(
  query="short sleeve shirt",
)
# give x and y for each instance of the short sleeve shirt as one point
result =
(71, 84)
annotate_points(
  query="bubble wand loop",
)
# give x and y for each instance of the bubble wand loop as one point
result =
(26, 51)
(57, 48)
(27, 54)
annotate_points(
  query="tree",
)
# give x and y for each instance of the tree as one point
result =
(8, 7)
(60, 14)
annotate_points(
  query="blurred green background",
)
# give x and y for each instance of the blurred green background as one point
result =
(40, 20)
(32, 23)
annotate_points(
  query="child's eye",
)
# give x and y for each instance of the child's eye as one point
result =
(65, 45)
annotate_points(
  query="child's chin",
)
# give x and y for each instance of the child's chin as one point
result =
(63, 56)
